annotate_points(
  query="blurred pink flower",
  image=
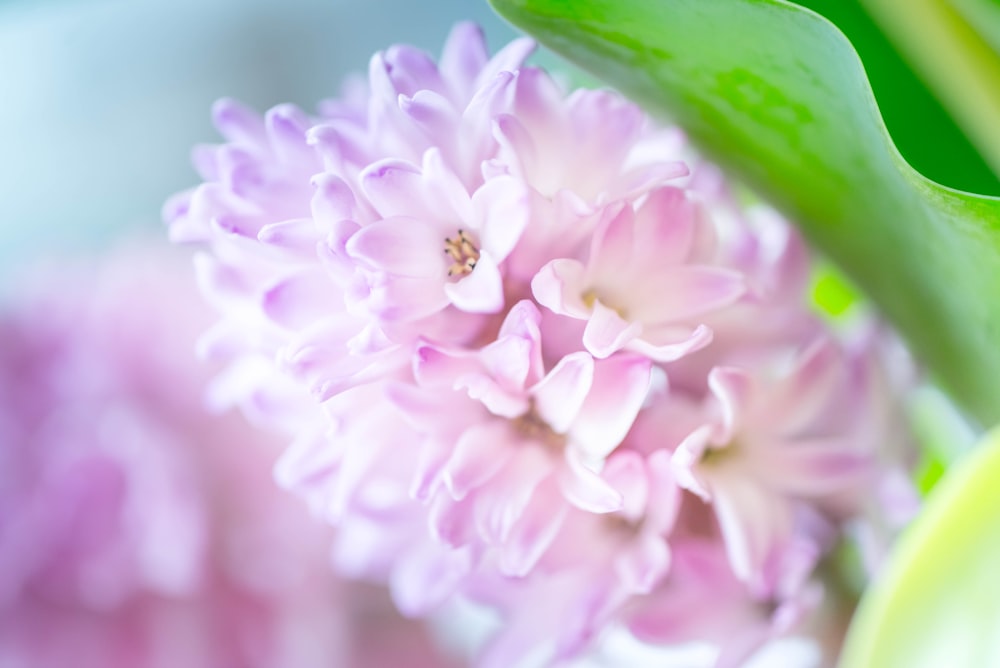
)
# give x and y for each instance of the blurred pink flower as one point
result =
(136, 529)
(550, 352)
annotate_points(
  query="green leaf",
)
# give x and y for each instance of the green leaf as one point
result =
(938, 602)
(910, 110)
(776, 93)
(954, 59)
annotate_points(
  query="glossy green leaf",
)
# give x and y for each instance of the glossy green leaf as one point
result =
(777, 94)
(938, 602)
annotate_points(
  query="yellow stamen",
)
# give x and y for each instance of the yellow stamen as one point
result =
(531, 426)
(463, 252)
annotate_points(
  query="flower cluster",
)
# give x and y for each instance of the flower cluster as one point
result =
(136, 530)
(535, 355)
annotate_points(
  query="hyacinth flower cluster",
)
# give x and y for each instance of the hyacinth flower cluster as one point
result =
(532, 353)
(136, 529)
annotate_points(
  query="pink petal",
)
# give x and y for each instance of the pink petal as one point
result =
(585, 488)
(406, 299)
(498, 400)
(508, 59)
(607, 332)
(332, 202)
(286, 127)
(481, 291)
(401, 246)
(686, 458)
(672, 343)
(613, 245)
(445, 191)
(434, 455)
(436, 367)
(501, 503)
(666, 226)
(558, 286)
(432, 113)
(343, 144)
(298, 301)
(643, 564)
(299, 237)
(479, 453)
(511, 134)
(238, 123)
(509, 360)
(665, 495)
(676, 294)
(561, 394)
(617, 392)
(396, 188)
(754, 522)
(807, 391)
(333, 254)
(523, 322)
(411, 69)
(464, 56)
(450, 521)
(733, 388)
(502, 206)
(423, 580)
(641, 179)
(626, 471)
(818, 466)
(534, 532)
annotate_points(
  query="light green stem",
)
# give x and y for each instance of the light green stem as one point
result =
(954, 61)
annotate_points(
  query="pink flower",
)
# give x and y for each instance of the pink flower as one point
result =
(639, 288)
(533, 436)
(424, 211)
(768, 449)
(522, 350)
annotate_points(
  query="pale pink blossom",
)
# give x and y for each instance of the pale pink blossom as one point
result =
(528, 358)
(771, 445)
(643, 286)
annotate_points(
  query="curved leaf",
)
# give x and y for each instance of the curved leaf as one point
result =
(938, 603)
(776, 93)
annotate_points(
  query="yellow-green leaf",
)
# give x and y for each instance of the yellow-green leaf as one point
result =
(938, 602)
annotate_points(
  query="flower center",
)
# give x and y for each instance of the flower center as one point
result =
(618, 524)
(590, 296)
(715, 457)
(531, 426)
(463, 252)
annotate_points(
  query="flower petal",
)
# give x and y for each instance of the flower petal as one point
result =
(401, 246)
(754, 523)
(481, 291)
(534, 532)
(676, 294)
(616, 394)
(396, 188)
(558, 286)
(607, 332)
(643, 564)
(479, 453)
(501, 204)
(586, 489)
(561, 394)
